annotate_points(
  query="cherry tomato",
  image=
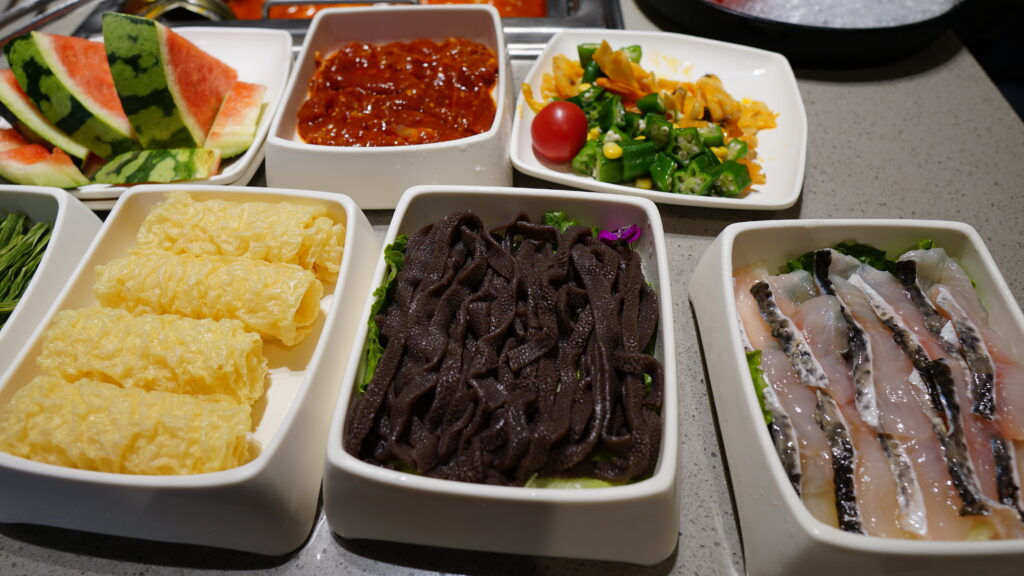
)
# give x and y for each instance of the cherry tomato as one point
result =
(559, 130)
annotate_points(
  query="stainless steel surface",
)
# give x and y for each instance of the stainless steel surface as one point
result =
(524, 37)
(20, 18)
(270, 3)
(213, 10)
(926, 137)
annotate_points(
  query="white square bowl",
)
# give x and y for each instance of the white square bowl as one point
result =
(635, 523)
(745, 73)
(74, 227)
(375, 177)
(266, 506)
(780, 536)
(260, 56)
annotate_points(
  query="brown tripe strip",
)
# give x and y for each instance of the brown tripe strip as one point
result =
(513, 351)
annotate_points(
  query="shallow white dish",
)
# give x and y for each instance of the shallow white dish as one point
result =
(635, 523)
(260, 56)
(74, 227)
(745, 73)
(267, 506)
(375, 177)
(780, 536)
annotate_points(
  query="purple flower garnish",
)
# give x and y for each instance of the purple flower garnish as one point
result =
(626, 233)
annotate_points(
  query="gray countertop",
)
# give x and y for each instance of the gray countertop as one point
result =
(929, 137)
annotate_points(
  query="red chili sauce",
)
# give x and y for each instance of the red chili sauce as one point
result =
(253, 9)
(400, 93)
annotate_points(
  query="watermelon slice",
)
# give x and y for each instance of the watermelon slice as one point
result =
(11, 138)
(168, 165)
(69, 81)
(170, 88)
(235, 127)
(17, 109)
(34, 165)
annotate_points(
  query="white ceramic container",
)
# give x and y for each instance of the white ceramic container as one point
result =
(635, 523)
(268, 505)
(74, 227)
(745, 73)
(375, 177)
(780, 536)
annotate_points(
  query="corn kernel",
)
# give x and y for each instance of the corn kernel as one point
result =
(643, 183)
(721, 151)
(611, 150)
(584, 86)
(594, 133)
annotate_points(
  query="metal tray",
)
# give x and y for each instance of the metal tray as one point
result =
(524, 37)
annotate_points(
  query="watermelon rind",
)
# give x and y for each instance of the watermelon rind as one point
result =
(34, 165)
(42, 77)
(160, 166)
(235, 127)
(20, 112)
(139, 51)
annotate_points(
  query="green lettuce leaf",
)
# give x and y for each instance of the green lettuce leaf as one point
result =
(394, 257)
(754, 365)
(559, 220)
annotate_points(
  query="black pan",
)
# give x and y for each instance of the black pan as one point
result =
(805, 46)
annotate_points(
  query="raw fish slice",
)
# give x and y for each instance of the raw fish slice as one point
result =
(823, 325)
(934, 267)
(937, 380)
(913, 517)
(827, 414)
(783, 433)
(972, 348)
(792, 289)
(904, 409)
(844, 462)
(899, 402)
(1009, 420)
(798, 402)
(991, 361)
(858, 354)
(985, 440)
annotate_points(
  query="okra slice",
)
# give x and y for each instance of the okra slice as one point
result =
(661, 171)
(637, 158)
(711, 135)
(731, 178)
(684, 145)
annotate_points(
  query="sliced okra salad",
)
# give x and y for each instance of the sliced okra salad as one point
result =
(607, 118)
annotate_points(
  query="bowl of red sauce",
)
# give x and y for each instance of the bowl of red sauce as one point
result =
(389, 97)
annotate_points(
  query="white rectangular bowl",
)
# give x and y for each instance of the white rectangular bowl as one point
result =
(268, 505)
(745, 73)
(375, 177)
(635, 523)
(74, 227)
(780, 536)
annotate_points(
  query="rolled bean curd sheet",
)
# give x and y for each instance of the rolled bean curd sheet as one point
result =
(99, 426)
(278, 301)
(163, 352)
(282, 232)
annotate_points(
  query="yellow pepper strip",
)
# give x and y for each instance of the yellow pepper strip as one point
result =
(624, 77)
(568, 74)
(534, 104)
